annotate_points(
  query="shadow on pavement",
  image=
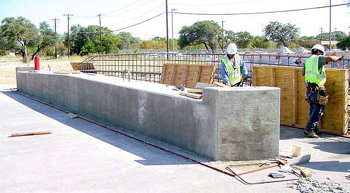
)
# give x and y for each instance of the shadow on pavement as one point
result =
(150, 155)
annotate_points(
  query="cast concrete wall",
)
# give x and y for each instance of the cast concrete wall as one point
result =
(227, 124)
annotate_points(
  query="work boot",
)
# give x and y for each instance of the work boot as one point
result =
(318, 132)
(311, 134)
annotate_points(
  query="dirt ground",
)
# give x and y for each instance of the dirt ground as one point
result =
(8, 66)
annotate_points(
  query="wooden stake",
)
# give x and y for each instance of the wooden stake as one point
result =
(29, 133)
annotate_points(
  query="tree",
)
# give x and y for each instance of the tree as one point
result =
(202, 32)
(345, 43)
(21, 31)
(87, 40)
(282, 34)
(335, 35)
(261, 42)
(153, 44)
(46, 38)
(127, 41)
(242, 39)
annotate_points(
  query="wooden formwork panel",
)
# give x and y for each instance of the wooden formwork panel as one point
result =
(294, 107)
(187, 75)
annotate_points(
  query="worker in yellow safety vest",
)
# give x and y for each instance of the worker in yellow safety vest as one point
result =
(315, 79)
(233, 69)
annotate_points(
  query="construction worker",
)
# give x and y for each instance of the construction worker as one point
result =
(233, 69)
(315, 79)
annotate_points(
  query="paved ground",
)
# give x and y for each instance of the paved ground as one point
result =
(82, 157)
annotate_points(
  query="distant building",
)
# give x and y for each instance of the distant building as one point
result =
(325, 43)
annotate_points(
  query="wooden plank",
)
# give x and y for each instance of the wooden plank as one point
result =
(29, 133)
(185, 75)
(163, 74)
(195, 91)
(192, 73)
(205, 74)
(295, 96)
(173, 75)
(180, 74)
(255, 76)
(273, 77)
(199, 74)
(195, 96)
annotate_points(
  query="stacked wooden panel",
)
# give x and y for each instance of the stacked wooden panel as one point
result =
(187, 75)
(294, 107)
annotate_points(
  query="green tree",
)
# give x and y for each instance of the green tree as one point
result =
(127, 41)
(21, 31)
(261, 42)
(87, 40)
(46, 38)
(242, 39)
(282, 34)
(202, 32)
(335, 35)
(153, 44)
(344, 43)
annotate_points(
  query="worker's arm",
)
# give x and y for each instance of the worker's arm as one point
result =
(243, 69)
(333, 59)
(224, 74)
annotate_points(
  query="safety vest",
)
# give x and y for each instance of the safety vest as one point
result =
(234, 74)
(312, 73)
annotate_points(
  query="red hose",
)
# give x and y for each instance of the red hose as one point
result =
(145, 142)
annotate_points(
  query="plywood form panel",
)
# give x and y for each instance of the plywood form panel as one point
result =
(294, 107)
(180, 73)
(284, 81)
(192, 76)
(187, 75)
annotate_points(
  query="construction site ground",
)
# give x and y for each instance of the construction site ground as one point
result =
(79, 156)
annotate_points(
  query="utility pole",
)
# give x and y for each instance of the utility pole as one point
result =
(321, 35)
(167, 33)
(68, 17)
(100, 50)
(172, 27)
(330, 23)
(223, 35)
(55, 19)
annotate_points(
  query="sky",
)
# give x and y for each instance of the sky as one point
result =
(117, 14)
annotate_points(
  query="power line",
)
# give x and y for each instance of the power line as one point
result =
(138, 23)
(263, 12)
(137, 5)
(214, 4)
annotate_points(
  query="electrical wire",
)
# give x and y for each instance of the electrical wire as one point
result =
(128, 9)
(139, 23)
(214, 4)
(263, 12)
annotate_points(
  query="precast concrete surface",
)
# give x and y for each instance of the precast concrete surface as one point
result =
(80, 156)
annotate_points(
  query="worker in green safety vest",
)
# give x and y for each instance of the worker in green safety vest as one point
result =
(315, 79)
(233, 69)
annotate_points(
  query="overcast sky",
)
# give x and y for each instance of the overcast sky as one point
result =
(117, 14)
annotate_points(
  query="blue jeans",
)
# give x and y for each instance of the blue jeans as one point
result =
(316, 111)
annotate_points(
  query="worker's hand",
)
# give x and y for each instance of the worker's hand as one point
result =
(245, 77)
(340, 59)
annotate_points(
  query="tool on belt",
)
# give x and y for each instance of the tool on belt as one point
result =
(321, 98)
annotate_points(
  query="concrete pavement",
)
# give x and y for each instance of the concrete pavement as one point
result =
(82, 157)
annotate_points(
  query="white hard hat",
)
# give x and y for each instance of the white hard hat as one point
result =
(318, 47)
(232, 48)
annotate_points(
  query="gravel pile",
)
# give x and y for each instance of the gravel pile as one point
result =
(307, 185)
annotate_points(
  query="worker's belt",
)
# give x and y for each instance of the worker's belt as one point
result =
(322, 97)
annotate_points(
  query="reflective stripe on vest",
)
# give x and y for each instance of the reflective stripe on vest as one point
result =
(312, 75)
(234, 75)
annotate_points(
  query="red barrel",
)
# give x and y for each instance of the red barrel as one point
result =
(36, 63)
